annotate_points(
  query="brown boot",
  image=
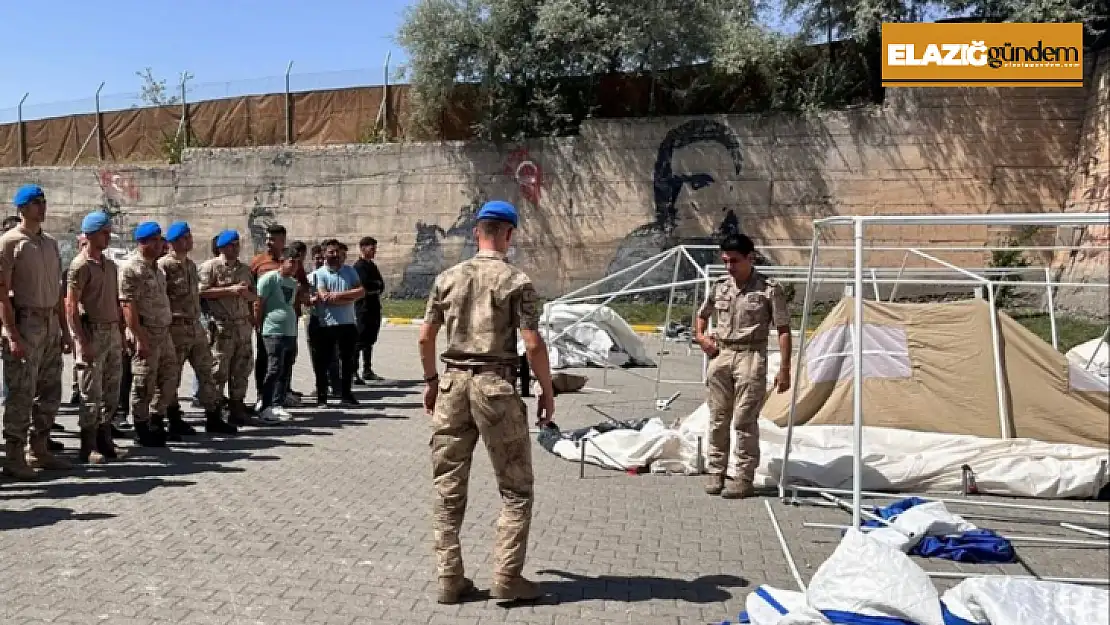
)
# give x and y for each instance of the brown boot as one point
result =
(454, 589)
(715, 484)
(41, 457)
(15, 461)
(88, 453)
(738, 489)
(514, 589)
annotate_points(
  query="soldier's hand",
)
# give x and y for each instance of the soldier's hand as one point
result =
(16, 347)
(85, 349)
(782, 381)
(141, 349)
(545, 409)
(431, 392)
(67, 343)
(709, 346)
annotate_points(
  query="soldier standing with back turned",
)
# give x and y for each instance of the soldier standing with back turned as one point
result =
(146, 309)
(93, 310)
(482, 302)
(35, 336)
(745, 304)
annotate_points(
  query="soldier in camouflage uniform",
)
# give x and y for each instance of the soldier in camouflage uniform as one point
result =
(482, 303)
(146, 309)
(227, 285)
(189, 338)
(35, 336)
(93, 311)
(745, 304)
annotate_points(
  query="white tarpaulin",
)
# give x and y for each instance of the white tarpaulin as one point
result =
(1096, 352)
(604, 337)
(868, 581)
(894, 460)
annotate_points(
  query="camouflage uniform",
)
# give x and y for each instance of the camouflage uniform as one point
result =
(737, 376)
(98, 379)
(477, 395)
(231, 328)
(154, 379)
(190, 340)
(31, 269)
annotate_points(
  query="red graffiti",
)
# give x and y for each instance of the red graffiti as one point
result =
(527, 174)
(118, 187)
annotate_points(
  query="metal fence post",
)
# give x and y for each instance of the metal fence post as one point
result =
(288, 106)
(19, 131)
(184, 125)
(99, 126)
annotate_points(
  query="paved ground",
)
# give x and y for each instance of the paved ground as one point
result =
(326, 520)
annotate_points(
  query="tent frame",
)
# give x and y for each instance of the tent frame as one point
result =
(859, 225)
(975, 278)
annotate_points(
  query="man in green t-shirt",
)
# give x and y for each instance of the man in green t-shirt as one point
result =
(275, 314)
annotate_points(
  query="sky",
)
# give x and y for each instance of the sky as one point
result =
(239, 43)
(231, 48)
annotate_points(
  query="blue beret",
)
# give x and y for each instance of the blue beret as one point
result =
(26, 194)
(147, 229)
(498, 210)
(227, 237)
(177, 230)
(95, 222)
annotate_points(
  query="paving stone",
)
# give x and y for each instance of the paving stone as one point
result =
(327, 519)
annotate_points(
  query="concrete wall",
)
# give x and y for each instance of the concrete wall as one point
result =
(1090, 192)
(624, 189)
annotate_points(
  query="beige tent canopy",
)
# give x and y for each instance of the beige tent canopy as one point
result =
(931, 368)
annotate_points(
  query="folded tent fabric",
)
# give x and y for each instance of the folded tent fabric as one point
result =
(772, 601)
(978, 546)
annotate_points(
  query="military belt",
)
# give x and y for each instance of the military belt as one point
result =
(743, 346)
(504, 370)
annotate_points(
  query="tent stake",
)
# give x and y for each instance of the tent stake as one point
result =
(1046, 540)
(785, 547)
(985, 504)
(1093, 581)
(1085, 530)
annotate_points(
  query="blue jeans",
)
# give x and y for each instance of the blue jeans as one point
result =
(279, 360)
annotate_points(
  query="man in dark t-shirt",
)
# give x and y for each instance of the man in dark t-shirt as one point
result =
(368, 310)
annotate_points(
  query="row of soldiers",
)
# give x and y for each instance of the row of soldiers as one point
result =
(147, 310)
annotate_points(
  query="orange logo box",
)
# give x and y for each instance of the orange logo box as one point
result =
(983, 55)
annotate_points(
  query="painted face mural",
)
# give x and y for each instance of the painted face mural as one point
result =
(695, 166)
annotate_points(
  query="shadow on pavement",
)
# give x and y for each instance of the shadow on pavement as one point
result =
(633, 588)
(44, 516)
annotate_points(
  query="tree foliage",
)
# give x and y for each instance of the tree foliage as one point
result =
(537, 67)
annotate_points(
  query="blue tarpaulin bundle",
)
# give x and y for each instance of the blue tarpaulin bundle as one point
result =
(977, 546)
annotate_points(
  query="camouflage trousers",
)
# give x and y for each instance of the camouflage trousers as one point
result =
(34, 382)
(153, 378)
(233, 350)
(737, 382)
(99, 377)
(191, 344)
(470, 404)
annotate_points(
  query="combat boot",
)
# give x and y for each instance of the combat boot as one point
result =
(237, 413)
(158, 422)
(738, 489)
(215, 424)
(454, 589)
(514, 588)
(41, 457)
(148, 435)
(15, 461)
(89, 454)
(105, 445)
(178, 425)
(715, 484)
